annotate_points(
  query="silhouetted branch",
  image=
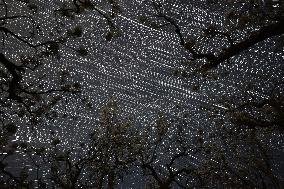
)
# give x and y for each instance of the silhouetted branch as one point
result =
(262, 34)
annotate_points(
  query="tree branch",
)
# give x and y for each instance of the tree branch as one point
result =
(16, 78)
(262, 34)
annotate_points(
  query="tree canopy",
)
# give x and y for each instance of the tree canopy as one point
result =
(162, 94)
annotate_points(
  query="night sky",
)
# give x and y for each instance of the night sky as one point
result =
(137, 68)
